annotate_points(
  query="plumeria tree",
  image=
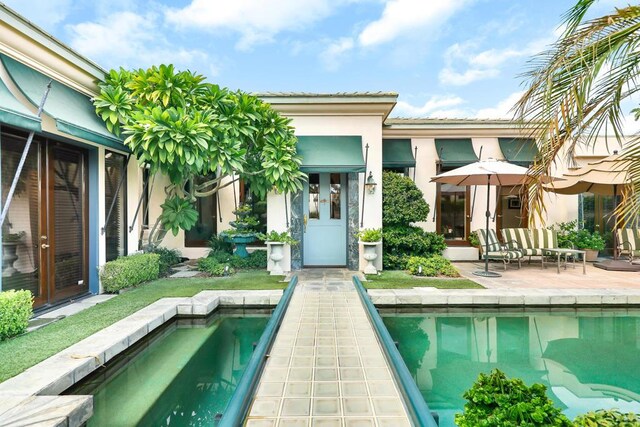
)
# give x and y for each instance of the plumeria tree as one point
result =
(577, 90)
(201, 136)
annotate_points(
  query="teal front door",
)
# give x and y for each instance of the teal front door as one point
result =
(325, 218)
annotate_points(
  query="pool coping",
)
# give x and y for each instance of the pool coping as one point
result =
(34, 393)
(530, 297)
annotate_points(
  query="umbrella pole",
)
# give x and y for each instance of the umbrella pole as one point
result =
(486, 272)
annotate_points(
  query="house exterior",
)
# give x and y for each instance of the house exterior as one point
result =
(55, 235)
(82, 200)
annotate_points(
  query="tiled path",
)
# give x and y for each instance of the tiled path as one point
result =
(326, 367)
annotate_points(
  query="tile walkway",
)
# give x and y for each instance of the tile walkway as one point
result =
(534, 276)
(326, 367)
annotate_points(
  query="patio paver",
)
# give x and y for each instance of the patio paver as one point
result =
(326, 366)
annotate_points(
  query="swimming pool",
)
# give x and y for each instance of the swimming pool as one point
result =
(588, 359)
(183, 375)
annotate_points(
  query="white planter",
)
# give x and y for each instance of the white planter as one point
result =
(370, 255)
(276, 255)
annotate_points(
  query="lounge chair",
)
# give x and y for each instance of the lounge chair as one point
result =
(628, 241)
(497, 251)
(521, 239)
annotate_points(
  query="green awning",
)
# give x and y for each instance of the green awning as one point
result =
(396, 153)
(13, 113)
(73, 111)
(455, 152)
(519, 151)
(331, 153)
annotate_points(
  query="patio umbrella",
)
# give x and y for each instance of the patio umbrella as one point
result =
(487, 172)
(606, 177)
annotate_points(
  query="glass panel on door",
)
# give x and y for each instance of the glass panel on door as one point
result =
(69, 207)
(21, 229)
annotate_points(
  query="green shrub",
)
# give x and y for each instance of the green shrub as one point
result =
(496, 401)
(128, 271)
(16, 308)
(607, 418)
(432, 266)
(473, 239)
(402, 242)
(168, 258)
(274, 236)
(218, 244)
(257, 260)
(402, 200)
(214, 268)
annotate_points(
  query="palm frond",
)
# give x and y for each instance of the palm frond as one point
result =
(575, 90)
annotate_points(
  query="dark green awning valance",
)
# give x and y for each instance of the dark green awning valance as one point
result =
(331, 153)
(73, 111)
(519, 151)
(455, 152)
(396, 153)
(13, 113)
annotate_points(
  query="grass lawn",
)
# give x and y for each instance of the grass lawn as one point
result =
(22, 352)
(403, 280)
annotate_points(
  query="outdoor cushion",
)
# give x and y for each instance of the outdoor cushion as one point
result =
(492, 237)
(543, 238)
(508, 254)
(628, 240)
(517, 238)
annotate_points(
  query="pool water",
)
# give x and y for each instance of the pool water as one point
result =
(183, 375)
(587, 359)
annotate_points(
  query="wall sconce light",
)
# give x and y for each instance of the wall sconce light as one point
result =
(370, 184)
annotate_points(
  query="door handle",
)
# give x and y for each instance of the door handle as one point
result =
(305, 219)
(44, 246)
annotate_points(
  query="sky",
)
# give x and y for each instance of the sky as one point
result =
(445, 58)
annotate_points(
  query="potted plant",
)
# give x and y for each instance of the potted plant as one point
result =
(589, 242)
(370, 239)
(243, 230)
(276, 242)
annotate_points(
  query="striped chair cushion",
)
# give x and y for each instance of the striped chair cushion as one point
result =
(543, 238)
(492, 237)
(508, 254)
(531, 251)
(517, 238)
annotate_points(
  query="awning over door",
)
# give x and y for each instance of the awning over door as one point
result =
(13, 113)
(331, 153)
(455, 152)
(519, 151)
(396, 153)
(73, 111)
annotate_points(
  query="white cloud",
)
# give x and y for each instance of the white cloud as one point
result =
(464, 64)
(436, 106)
(335, 52)
(255, 21)
(502, 110)
(45, 13)
(402, 17)
(129, 40)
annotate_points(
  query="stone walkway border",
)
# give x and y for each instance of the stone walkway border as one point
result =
(33, 395)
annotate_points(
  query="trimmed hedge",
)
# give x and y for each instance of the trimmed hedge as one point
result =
(431, 266)
(129, 271)
(168, 258)
(16, 308)
(402, 242)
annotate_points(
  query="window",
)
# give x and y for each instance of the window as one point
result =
(207, 225)
(597, 214)
(335, 195)
(314, 196)
(452, 211)
(116, 228)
